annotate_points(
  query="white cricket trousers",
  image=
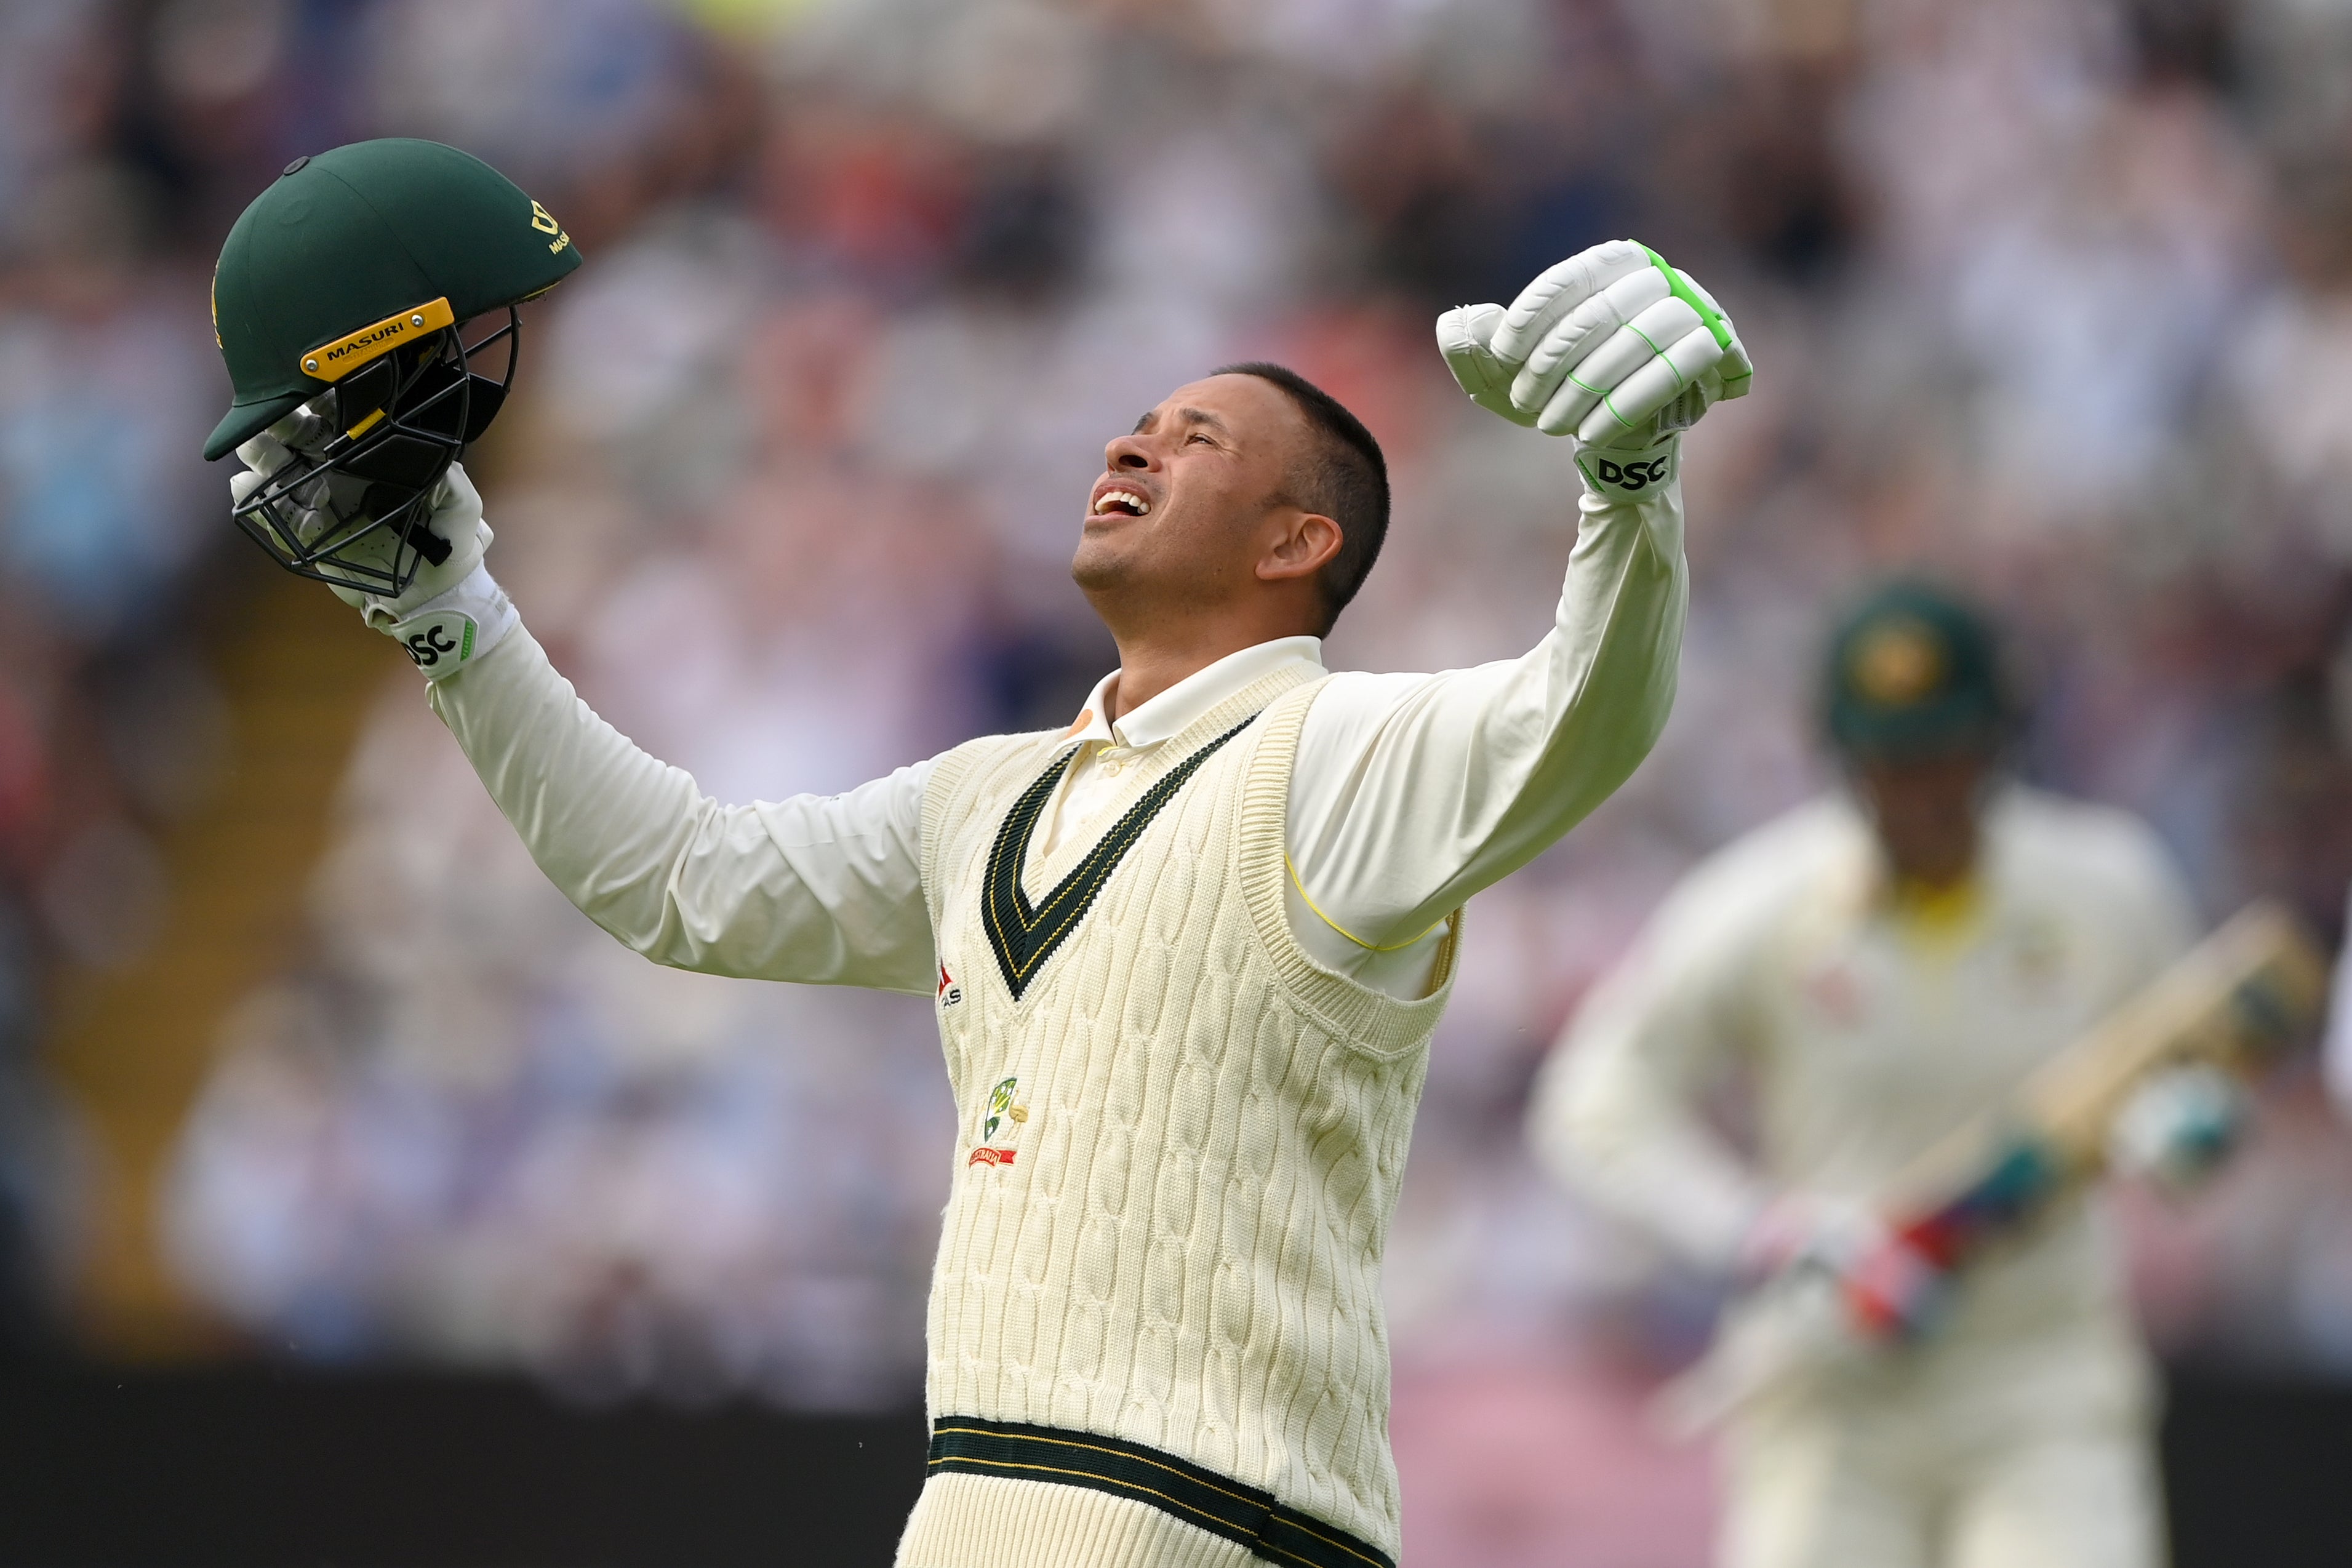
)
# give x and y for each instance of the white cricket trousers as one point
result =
(1826, 1488)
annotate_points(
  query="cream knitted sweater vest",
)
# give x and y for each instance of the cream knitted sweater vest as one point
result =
(1180, 1141)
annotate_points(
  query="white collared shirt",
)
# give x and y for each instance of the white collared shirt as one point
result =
(1410, 793)
(1106, 749)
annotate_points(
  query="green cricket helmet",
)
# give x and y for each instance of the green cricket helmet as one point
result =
(1914, 671)
(344, 303)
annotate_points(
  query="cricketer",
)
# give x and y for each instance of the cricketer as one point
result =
(1878, 968)
(1186, 954)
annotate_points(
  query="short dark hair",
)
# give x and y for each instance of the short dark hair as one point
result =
(1344, 479)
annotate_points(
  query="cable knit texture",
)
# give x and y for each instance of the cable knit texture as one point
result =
(1177, 1158)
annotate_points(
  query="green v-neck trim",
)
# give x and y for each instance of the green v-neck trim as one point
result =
(1024, 934)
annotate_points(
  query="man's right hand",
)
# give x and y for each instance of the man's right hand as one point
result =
(457, 521)
(450, 614)
(1887, 1287)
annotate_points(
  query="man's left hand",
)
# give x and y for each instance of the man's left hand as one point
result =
(1613, 346)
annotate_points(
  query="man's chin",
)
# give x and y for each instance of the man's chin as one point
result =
(1096, 569)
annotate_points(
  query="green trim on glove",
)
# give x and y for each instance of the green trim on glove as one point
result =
(1715, 321)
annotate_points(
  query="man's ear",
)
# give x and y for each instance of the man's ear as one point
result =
(1303, 548)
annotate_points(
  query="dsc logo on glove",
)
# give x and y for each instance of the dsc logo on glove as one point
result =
(426, 648)
(1630, 477)
(437, 643)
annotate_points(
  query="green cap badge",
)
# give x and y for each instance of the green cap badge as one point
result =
(1912, 671)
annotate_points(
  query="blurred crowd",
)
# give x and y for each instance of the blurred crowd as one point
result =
(2052, 298)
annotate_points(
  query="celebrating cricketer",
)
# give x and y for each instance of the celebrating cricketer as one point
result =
(1186, 954)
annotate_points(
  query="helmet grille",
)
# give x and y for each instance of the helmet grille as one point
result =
(352, 507)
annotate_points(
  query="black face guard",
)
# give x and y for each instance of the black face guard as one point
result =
(354, 507)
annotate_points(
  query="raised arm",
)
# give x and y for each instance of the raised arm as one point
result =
(1414, 792)
(823, 889)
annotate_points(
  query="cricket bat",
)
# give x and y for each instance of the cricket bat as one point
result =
(2247, 991)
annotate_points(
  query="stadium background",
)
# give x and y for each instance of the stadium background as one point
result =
(324, 1123)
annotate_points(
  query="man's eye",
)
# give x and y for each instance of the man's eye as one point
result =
(1196, 435)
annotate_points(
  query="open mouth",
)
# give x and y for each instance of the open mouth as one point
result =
(1124, 503)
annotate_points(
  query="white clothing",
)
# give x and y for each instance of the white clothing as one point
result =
(1867, 1031)
(1890, 1485)
(1411, 792)
(1179, 1145)
(1217, 1054)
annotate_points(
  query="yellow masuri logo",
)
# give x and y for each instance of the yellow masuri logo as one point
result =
(544, 221)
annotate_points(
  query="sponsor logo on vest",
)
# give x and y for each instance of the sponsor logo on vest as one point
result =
(950, 992)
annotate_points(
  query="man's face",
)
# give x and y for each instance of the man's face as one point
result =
(1181, 511)
(1925, 810)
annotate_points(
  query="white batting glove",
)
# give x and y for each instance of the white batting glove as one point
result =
(1612, 346)
(449, 614)
(2180, 1127)
(1885, 1287)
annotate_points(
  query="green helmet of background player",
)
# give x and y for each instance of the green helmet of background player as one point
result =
(1913, 672)
(341, 302)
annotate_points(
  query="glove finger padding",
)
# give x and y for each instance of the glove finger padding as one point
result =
(243, 483)
(312, 509)
(307, 510)
(1590, 387)
(1559, 290)
(1560, 360)
(457, 518)
(1630, 412)
(1731, 378)
(1465, 336)
(1612, 346)
(1735, 374)
(453, 613)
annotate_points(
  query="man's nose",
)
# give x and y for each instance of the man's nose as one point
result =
(1130, 452)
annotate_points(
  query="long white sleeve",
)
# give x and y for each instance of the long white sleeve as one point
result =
(1615, 1113)
(1411, 793)
(823, 889)
(1414, 792)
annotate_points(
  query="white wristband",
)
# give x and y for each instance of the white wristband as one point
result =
(1614, 474)
(444, 634)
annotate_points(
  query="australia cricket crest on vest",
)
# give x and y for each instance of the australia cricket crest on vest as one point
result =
(1000, 1121)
